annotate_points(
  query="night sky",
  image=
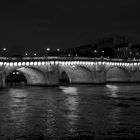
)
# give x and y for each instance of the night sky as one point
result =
(31, 26)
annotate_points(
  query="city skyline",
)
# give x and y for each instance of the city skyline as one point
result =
(32, 26)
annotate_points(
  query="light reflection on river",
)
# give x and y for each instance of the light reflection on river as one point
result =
(70, 112)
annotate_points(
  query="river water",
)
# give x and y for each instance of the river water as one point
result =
(82, 112)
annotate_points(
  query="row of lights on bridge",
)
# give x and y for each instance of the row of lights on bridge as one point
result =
(63, 63)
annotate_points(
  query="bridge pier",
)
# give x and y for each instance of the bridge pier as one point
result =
(2, 79)
(53, 75)
(99, 75)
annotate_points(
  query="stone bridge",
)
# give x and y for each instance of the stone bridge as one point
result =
(50, 70)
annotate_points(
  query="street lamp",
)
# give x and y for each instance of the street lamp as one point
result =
(4, 50)
(58, 49)
(34, 54)
(48, 49)
(26, 54)
(95, 51)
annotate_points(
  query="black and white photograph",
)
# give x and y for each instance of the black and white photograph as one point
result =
(70, 70)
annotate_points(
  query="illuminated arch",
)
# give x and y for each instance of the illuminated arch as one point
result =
(117, 74)
(32, 75)
(78, 74)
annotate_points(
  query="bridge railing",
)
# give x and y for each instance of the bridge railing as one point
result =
(10, 59)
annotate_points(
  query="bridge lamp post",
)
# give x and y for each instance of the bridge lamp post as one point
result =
(103, 52)
(95, 53)
(48, 50)
(137, 55)
(58, 50)
(4, 50)
(69, 55)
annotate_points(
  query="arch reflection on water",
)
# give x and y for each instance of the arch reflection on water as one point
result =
(114, 115)
(71, 102)
(18, 107)
(113, 90)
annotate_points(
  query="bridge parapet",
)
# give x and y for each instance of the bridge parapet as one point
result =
(93, 70)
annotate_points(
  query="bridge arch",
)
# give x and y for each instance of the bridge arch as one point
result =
(117, 74)
(77, 74)
(32, 75)
(64, 77)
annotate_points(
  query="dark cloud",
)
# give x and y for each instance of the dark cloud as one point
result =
(34, 25)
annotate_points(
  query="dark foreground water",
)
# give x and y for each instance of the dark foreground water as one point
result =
(70, 112)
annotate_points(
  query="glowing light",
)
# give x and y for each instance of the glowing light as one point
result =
(63, 63)
(31, 63)
(11, 64)
(1, 63)
(48, 49)
(15, 63)
(95, 51)
(91, 63)
(74, 62)
(58, 49)
(17, 72)
(23, 63)
(47, 63)
(27, 64)
(56, 62)
(7, 64)
(39, 63)
(4, 49)
(19, 63)
(68, 62)
(35, 63)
